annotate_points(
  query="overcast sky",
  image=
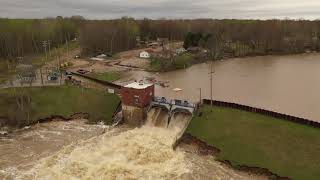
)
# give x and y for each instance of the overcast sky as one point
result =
(187, 9)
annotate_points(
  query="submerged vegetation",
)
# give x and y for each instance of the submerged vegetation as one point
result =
(23, 106)
(244, 138)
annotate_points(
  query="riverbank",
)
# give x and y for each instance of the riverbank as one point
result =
(253, 140)
(23, 106)
(187, 60)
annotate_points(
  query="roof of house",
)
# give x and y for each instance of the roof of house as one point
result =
(137, 85)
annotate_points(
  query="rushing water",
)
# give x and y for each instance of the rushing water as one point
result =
(62, 150)
(22, 149)
(141, 153)
(286, 84)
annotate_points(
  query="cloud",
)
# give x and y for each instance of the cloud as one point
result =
(188, 9)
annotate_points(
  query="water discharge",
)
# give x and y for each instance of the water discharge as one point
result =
(122, 153)
(158, 117)
(142, 153)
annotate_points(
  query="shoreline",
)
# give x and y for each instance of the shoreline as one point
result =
(204, 149)
(8, 130)
(231, 58)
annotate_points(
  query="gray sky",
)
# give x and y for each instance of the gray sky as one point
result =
(187, 9)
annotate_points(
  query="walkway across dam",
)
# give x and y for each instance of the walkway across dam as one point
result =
(170, 114)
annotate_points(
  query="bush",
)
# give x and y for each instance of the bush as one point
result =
(183, 61)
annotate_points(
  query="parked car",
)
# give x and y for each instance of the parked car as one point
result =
(82, 71)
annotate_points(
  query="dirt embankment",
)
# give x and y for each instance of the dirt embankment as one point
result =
(202, 148)
(5, 129)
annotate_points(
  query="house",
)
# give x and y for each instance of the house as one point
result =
(144, 54)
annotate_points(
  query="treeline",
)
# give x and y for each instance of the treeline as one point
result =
(20, 37)
(109, 36)
(234, 37)
(237, 37)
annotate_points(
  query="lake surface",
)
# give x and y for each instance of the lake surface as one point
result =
(286, 84)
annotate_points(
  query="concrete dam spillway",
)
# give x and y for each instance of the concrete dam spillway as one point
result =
(176, 123)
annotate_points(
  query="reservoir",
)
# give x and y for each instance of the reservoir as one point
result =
(287, 84)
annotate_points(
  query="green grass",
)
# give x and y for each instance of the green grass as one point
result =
(64, 101)
(285, 148)
(107, 76)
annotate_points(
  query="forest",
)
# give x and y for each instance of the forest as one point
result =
(22, 37)
(239, 37)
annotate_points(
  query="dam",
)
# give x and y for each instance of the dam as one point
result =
(141, 107)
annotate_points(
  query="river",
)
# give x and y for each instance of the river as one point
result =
(75, 150)
(287, 84)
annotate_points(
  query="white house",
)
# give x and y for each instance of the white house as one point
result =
(144, 54)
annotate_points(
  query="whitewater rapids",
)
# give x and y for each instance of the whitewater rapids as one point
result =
(120, 153)
(144, 153)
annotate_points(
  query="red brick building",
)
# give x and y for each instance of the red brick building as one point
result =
(136, 98)
(137, 94)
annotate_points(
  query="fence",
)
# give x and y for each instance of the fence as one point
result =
(299, 120)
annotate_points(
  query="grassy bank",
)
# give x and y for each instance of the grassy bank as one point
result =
(106, 76)
(22, 106)
(251, 139)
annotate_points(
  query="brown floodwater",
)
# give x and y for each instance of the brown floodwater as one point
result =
(286, 84)
(21, 150)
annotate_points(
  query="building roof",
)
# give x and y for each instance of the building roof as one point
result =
(137, 85)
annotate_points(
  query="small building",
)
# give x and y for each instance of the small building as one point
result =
(136, 98)
(144, 54)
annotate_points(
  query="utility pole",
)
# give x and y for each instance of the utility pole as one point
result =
(211, 84)
(49, 44)
(67, 47)
(41, 76)
(45, 44)
(200, 95)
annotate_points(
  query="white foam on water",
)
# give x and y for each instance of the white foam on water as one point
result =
(142, 153)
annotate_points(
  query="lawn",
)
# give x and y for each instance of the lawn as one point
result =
(285, 148)
(107, 76)
(64, 101)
